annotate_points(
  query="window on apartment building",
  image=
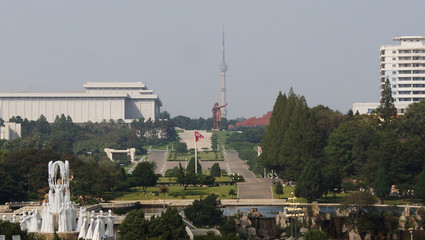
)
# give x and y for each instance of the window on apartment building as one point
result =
(404, 92)
(402, 110)
(404, 79)
(418, 85)
(404, 85)
(394, 79)
(418, 71)
(404, 99)
(394, 59)
(418, 92)
(394, 72)
(418, 99)
(418, 78)
(404, 72)
(394, 52)
(394, 86)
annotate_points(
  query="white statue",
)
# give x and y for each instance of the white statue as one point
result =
(62, 226)
(96, 231)
(84, 226)
(80, 219)
(13, 218)
(102, 224)
(110, 226)
(92, 226)
(4, 218)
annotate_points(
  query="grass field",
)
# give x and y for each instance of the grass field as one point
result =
(202, 156)
(137, 194)
(221, 138)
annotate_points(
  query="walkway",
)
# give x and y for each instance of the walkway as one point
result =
(252, 188)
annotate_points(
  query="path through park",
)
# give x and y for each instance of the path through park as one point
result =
(252, 188)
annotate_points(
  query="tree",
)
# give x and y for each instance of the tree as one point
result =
(144, 175)
(332, 179)
(359, 200)
(382, 184)
(420, 186)
(191, 165)
(8, 229)
(134, 226)
(215, 170)
(232, 192)
(180, 147)
(315, 235)
(278, 189)
(204, 212)
(169, 225)
(310, 182)
(387, 109)
(164, 189)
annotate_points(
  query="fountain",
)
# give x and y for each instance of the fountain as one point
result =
(60, 214)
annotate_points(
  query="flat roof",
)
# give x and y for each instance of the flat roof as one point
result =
(114, 85)
(409, 38)
(63, 95)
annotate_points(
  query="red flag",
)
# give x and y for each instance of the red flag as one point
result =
(198, 136)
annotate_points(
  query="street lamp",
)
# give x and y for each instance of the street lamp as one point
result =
(411, 235)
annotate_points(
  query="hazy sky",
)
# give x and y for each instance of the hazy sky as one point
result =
(327, 51)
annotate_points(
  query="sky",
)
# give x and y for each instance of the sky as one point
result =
(328, 51)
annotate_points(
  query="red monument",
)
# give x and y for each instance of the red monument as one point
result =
(217, 114)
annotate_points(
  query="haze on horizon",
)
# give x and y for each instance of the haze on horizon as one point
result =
(328, 51)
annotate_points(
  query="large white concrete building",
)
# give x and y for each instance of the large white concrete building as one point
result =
(100, 101)
(404, 66)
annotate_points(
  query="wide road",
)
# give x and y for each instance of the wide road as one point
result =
(252, 188)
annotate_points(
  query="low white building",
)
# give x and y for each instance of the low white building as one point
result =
(100, 101)
(367, 108)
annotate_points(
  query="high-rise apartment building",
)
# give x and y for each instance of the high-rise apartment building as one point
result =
(404, 66)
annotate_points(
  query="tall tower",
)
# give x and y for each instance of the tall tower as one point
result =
(223, 69)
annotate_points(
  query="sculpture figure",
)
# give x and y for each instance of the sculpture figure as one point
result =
(84, 226)
(110, 225)
(217, 114)
(92, 226)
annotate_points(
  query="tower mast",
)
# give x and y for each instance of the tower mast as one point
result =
(223, 69)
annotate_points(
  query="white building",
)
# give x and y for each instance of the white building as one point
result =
(10, 131)
(404, 66)
(101, 101)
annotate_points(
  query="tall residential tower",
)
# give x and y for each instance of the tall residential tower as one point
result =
(223, 69)
(404, 66)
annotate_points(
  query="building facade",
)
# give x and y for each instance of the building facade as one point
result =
(10, 131)
(100, 101)
(404, 66)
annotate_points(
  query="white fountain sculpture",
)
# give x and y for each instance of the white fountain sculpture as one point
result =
(60, 214)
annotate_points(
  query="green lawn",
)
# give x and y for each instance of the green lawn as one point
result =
(172, 180)
(202, 156)
(221, 191)
(221, 138)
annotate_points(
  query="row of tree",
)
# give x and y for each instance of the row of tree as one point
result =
(325, 150)
(64, 136)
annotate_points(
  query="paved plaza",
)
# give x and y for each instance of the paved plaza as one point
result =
(188, 137)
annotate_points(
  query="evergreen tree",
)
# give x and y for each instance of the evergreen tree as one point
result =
(204, 212)
(420, 186)
(191, 165)
(387, 109)
(382, 184)
(310, 182)
(278, 189)
(215, 170)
